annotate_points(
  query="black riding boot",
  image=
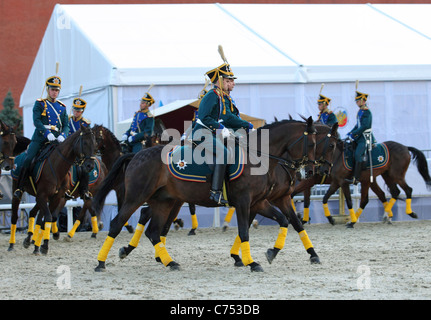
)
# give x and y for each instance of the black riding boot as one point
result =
(356, 173)
(216, 193)
(83, 186)
(23, 176)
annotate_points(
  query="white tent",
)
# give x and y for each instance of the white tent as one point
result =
(281, 53)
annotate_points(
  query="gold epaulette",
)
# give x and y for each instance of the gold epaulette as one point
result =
(61, 103)
(86, 121)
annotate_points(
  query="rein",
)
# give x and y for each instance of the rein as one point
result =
(322, 160)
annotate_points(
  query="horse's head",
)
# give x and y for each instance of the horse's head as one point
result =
(8, 143)
(85, 148)
(99, 134)
(327, 138)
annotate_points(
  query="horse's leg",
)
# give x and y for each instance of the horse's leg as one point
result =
(382, 197)
(55, 206)
(172, 216)
(243, 216)
(287, 209)
(116, 225)
(161, 211)
(228, 218)
(140, 227)
(31, 226)
(395, 192)
(408, 190)
(346, 190)
(195, 224)
(13, 221)
(38, 233)
(307, 197)
(42, 201)
(332, 188)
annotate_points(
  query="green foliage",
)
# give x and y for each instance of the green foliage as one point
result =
(10, 115)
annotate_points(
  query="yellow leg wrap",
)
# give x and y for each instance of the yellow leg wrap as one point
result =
(305, 240)
(390, 205)
(326, 210)
(30, 225)
(47, 230)
(36, 232)
(163, 241)
(281, 239)
(137, 236)
(12, 233)
(38, 239)
(163, 253)
(306, 216)
(236, 246)
(54, 227)
(126, 224)
(94, 225)
(229, 215)
(409, 206)
(246, 256)
(73, 230)
(103, 253)
(358, 213)
(352, 215)
(194, 221)
(293, 205)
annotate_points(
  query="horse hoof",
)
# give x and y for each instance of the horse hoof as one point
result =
(192, 232)
(255, 267)
(36, 251)
(173, 266)
(331, 220)
(122, 253)
(270, 255)
(94, 235)
(68, 238)
(26, 243)
(315, 260)
(238, 261)
(101, 267)
(10, 247)
(412, 215)
(56, 236)
(44, 250)
(350, 225)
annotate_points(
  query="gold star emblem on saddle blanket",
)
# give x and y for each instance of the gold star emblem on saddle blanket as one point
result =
(181, 164)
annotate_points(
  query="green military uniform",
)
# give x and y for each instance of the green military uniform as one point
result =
(326, 116)
(51, 122)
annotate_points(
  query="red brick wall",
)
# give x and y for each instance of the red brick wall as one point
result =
(23, 23)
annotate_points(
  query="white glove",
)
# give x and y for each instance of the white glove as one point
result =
(225, 133)
(125, 137)
(60, 138)
(51, 137)
(131, 139)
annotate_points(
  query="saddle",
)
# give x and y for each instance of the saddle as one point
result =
(379, 156)
(182, 166)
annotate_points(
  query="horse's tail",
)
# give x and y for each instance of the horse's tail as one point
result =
(422, 165)
(111, 181)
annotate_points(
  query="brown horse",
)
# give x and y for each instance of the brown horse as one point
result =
(326, 138)
(8, 142)
(393, 173)
(77, 148)
(147, 179)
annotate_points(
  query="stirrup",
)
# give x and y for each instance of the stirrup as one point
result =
(87, 196)
(67, 195)
(18, 193)
(217, 196)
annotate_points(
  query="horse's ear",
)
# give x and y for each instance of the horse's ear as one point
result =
(310, 120)
(334, 128)
(15, 128)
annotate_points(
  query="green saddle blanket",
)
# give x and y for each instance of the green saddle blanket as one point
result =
(379, 156)
(38, 167)
(190, 171)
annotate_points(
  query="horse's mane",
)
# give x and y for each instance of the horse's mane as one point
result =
(277, 123)
(111, 134)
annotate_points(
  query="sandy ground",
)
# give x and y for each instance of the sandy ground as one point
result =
(371, 261)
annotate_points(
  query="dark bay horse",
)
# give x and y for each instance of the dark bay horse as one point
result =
(147, 179)
(78, 148)
(8, 142)
(326, 140)
(393, 173)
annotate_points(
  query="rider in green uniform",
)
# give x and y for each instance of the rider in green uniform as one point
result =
(51, 122)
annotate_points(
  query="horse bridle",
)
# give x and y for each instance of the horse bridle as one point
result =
(2, 156)
(321, 161)
(79, 160)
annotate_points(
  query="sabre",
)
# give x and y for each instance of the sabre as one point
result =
(367, 136)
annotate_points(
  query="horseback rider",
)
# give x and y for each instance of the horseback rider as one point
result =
(361, 134)
(188, 131)
(142, 126)
(325, 116)
(50, 120)
(218, 114)
(76, 120)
